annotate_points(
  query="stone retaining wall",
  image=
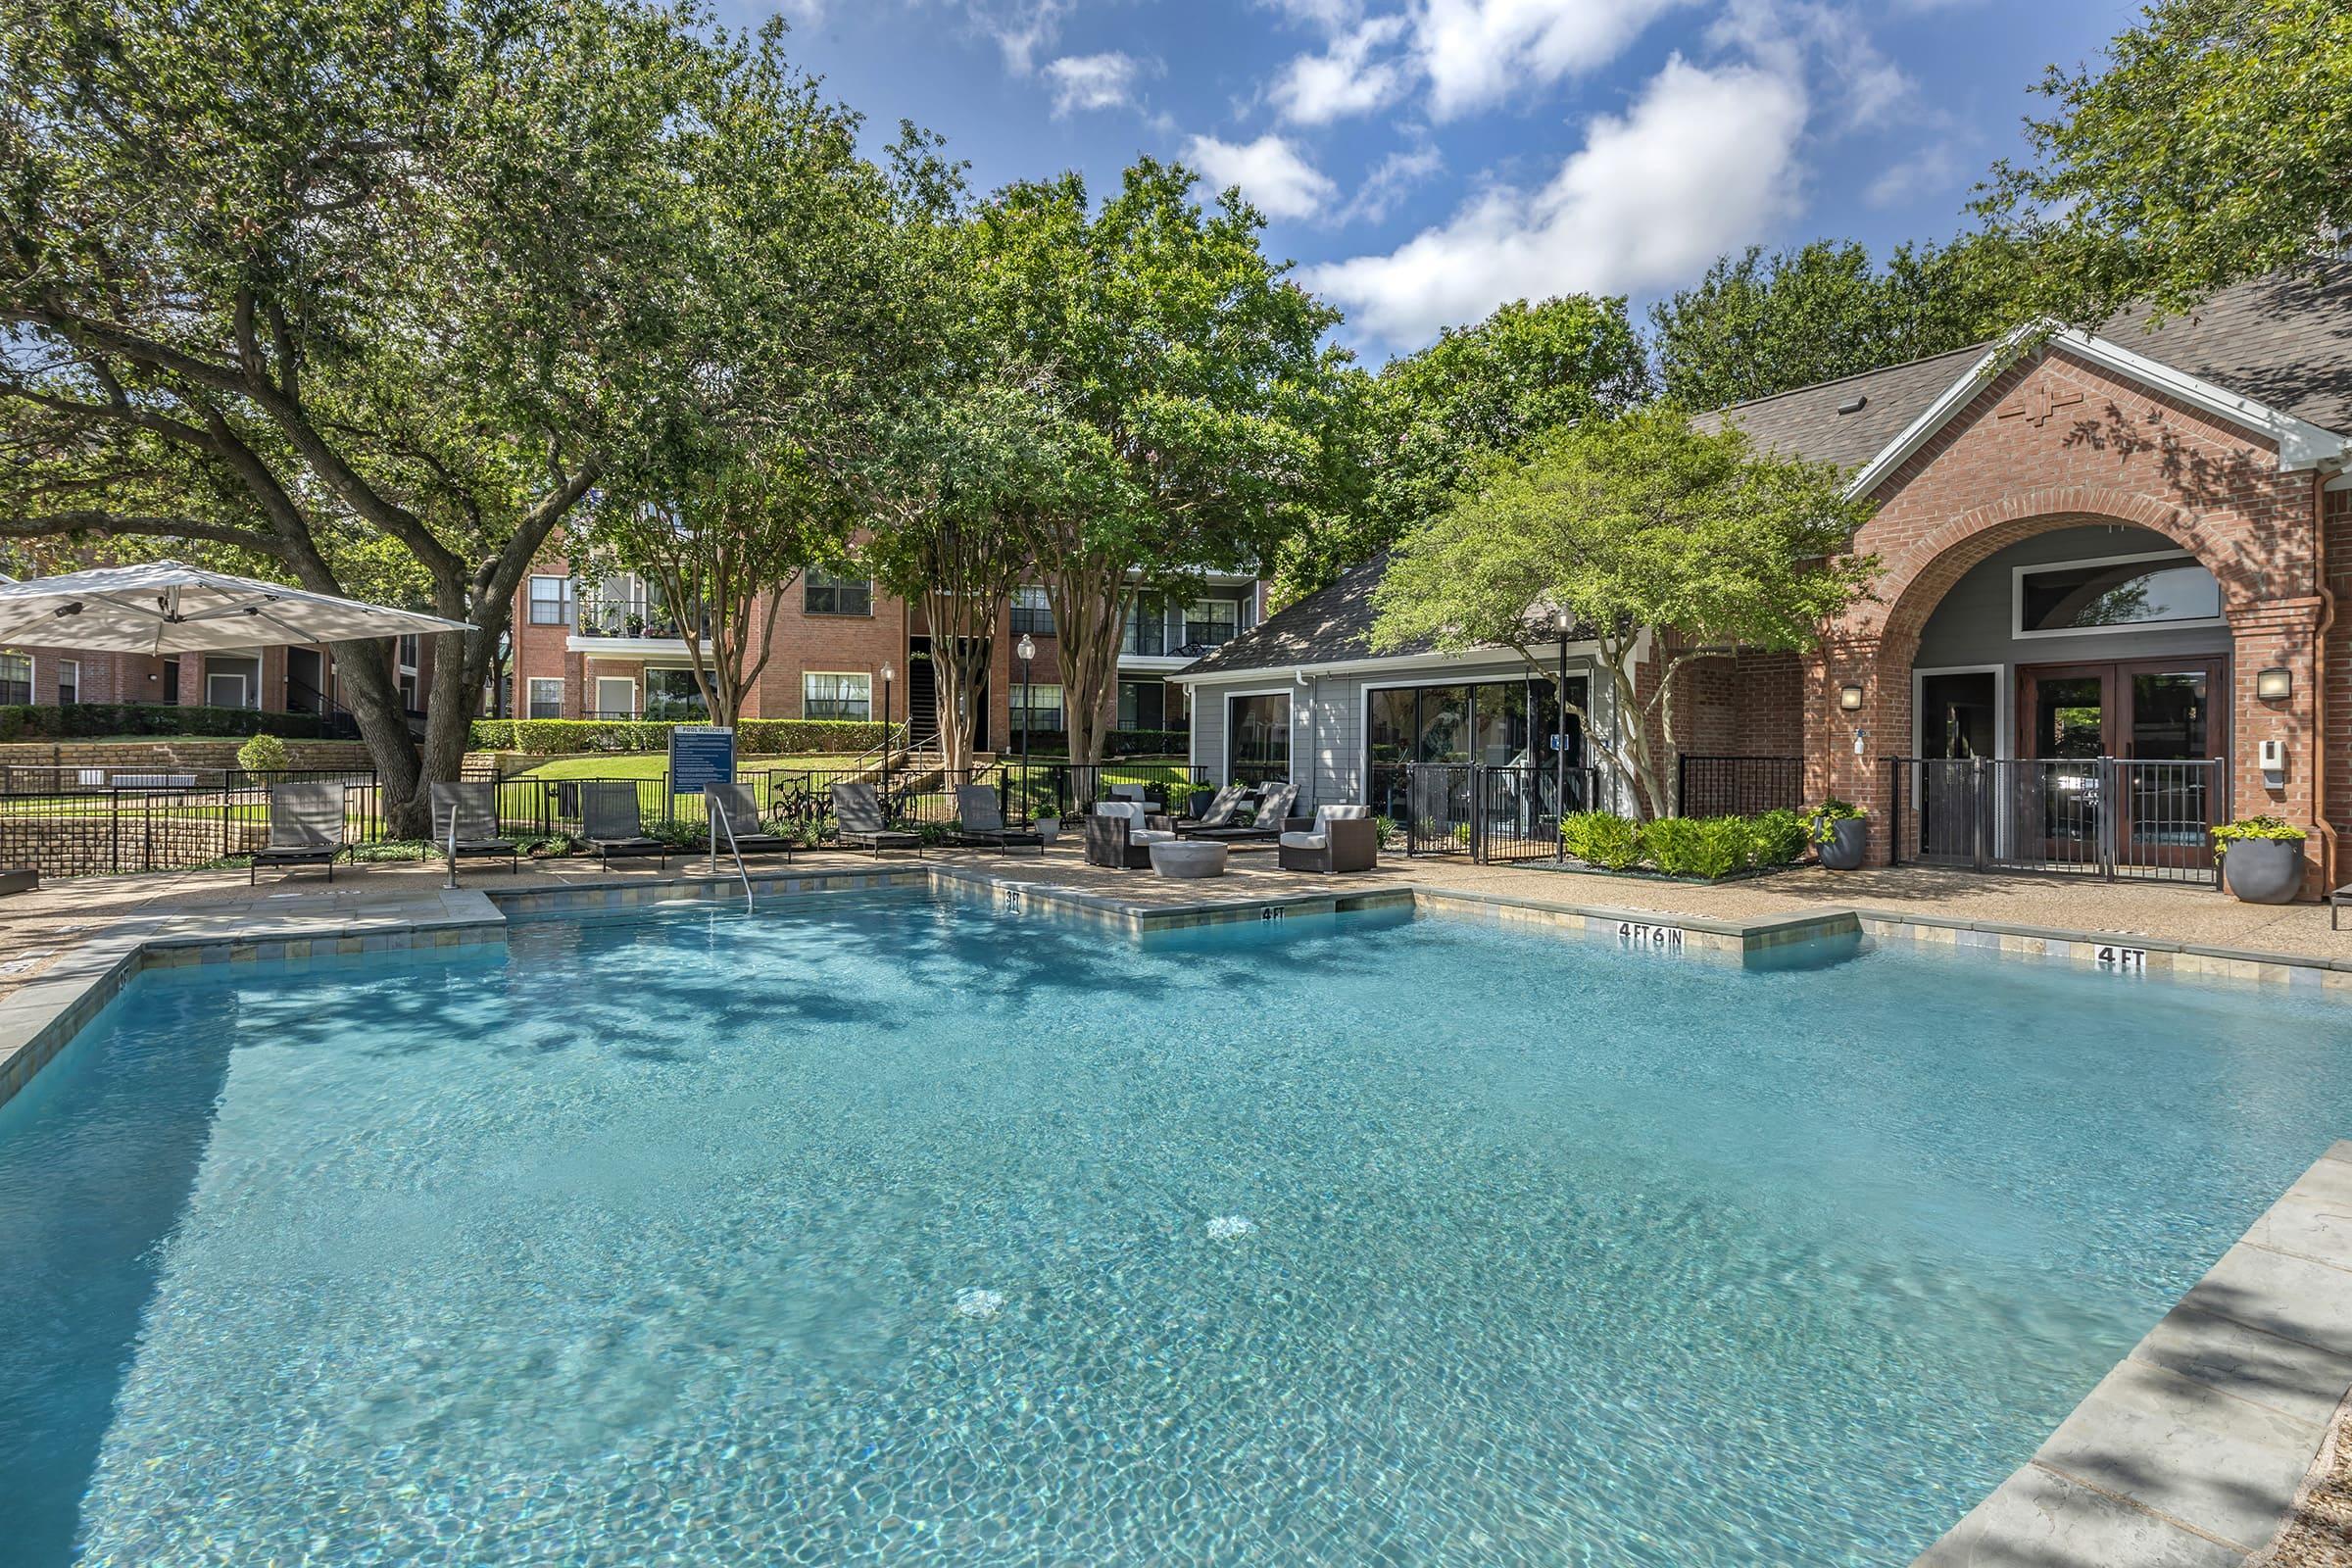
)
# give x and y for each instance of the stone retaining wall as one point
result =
(173, 756)
(96, 844)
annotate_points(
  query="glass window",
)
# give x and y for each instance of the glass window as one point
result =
(1143, 704)
(69, 682)
(671, 694)
(1044, 710)
(407, 649)
(1032, 612)
(1211, 622)
(823, 593)
(547, 699)
(1259, 737)
(551, 601)
(2116, 593)
(1392, 721)
(844, 696)
(1147, 627)
(1445, 735)
(16, 678)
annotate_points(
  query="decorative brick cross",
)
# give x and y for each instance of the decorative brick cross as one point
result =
(2036, 403)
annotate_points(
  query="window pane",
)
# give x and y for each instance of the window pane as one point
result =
(547, 699)
(69, 682)
(824, 593)
(2124, 593)
(671, 694)
(839, 696)
(1260, 737)
(1031, 613)
(1392, 725)
(1498, 724)
(551, 601)
(1445, 724)
(16, 678)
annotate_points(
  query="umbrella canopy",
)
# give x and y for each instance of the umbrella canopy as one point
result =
(166, 607)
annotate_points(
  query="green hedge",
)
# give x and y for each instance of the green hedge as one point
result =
(82, 720)
(1709, 847)
(753, 737)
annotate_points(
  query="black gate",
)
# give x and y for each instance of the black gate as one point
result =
(2107, 816)
(1492, 815)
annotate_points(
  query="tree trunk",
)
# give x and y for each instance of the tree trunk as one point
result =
(1090, 620)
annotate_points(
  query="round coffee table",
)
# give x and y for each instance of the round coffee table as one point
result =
(1188, 859)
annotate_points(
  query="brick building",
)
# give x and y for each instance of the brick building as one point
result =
(275, 679)
(2106, 614)
(591, 644)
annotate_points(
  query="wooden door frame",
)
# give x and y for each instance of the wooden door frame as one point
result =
(2116, 714)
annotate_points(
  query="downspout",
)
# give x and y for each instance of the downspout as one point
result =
(2319, 684)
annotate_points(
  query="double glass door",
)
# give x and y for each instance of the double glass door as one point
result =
(2156, 716)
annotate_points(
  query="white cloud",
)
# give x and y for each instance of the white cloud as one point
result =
(1092, 82)
(1480, 52)
(1929, 170)
(1870, 90)
(1389, 180)
(1346, 78)
(1706, 159)
(1330, 15)
(1270, 171)
(1019, 28)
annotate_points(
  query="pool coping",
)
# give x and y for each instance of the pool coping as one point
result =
(2194, 1451)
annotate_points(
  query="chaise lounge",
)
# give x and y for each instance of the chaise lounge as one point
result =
(1345, 838)
(981, 823)
(732, 808)
(858, 824)
(307, 827)
(612, 824)
(1273, 821)
(469, 812)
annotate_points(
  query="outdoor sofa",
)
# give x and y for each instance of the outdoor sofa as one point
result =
(981, 823)
(1345, 838)
(610, 822)
(858, 824)
(470, 810)
(732, 807)
(307, 827)
(1118, 837)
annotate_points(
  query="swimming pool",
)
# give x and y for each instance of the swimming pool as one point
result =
(889, 1229)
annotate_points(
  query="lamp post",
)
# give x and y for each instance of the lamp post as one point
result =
(1563, 623)
(887, 674)
(1027, 649)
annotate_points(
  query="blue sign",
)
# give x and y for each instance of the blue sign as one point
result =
(700, 755)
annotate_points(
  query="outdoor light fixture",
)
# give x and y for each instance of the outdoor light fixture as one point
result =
(2274, 685)
(1849, 698)
(1026, 647)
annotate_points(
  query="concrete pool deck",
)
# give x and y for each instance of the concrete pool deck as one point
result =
(2191, 1453)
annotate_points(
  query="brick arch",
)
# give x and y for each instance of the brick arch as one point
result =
(1916, 576)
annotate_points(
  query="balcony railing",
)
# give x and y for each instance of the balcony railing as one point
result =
(600, 616)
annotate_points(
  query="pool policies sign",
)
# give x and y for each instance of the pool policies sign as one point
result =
(700, 755)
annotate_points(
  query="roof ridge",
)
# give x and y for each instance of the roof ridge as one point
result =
(1981, 347)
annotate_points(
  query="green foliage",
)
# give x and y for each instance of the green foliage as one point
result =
(1755, 325)
(1602, 838)
(82, 720)
(1822, 822)
(2214, 144)
(753, 737)
(1631, 525)
(2255, 828)
(1421, 427)
(1710, 847)
(263, 754)
(1781, 836)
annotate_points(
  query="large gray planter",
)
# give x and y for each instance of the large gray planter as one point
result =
(2265, 871)
(1849, 843)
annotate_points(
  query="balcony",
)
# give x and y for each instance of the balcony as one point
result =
(623, 624)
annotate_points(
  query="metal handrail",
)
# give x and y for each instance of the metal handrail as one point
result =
(719, 817)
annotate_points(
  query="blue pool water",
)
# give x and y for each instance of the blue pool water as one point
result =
(888, 1230)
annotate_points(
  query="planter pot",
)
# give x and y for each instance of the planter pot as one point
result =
(1049, 828)
(2265, 871)
(1198, 803)
(1849, 842)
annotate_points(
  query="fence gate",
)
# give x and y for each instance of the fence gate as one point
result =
(1493, 815)
(2109, 817)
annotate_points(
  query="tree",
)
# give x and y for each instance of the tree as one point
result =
(377, 288)
(2215, 146)
(1427, 421)
(1183, 377)
(1639, 527)
(1755, 325)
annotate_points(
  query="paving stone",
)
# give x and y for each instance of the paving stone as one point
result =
(2300, 1380)
(2038, 1520)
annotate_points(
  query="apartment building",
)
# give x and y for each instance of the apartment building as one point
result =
(275, 679)
(591, 644)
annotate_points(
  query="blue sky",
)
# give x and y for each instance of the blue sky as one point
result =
(1425, 160)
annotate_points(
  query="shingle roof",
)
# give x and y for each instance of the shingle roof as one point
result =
(2284, 342)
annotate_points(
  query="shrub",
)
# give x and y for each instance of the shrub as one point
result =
(82, 721)
(263, 754)
(2255, 828)
(1781, 836)
(753, 737)
(1671, 844)
(1829, 814)
(1602, 838)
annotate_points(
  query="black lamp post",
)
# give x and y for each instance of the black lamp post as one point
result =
(1563, 623)
(1027, 649)
(887, 674)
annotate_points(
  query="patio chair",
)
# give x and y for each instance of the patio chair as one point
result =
(1345, 838)
(1218, 813)
(307, 827)
(858, 824)
(472, 810)
(983, 822)
(1116, 836)
(1274, 819)
(612, 824)
(732, 807)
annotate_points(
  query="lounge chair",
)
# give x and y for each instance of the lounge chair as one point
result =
(306, 828)
(1116, 836)
(858, 824)
(1345, 838)
(983, 822)
(472, 811)
(1274, 819)
(612, 824)
(1218, 813)
(732, 807)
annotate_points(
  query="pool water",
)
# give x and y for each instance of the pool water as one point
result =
(885, 1229)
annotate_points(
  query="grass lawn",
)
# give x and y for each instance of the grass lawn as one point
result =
(654, 765)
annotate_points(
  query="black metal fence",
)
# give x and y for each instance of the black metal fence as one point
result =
(78, 822)
(2108, 816)
(1738, 786)
(1492, 815)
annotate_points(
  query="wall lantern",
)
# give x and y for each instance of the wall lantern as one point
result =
(2274, 685)
(1849, 698)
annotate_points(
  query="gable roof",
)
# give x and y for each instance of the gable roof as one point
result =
(1330, 624)
(2275, 352)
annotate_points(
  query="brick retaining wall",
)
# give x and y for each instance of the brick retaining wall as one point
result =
(95, 844)
(174, 755)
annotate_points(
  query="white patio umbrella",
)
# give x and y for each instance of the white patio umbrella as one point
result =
(166, 607)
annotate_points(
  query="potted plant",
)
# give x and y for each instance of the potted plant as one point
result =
(1049, 828)
(1841, 834)
(2262, 859)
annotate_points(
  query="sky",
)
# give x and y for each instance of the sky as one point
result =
(1425, 161)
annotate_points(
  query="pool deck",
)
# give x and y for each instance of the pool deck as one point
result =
(2220, 1440)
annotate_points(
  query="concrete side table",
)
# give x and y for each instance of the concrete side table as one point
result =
(1188, 859)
